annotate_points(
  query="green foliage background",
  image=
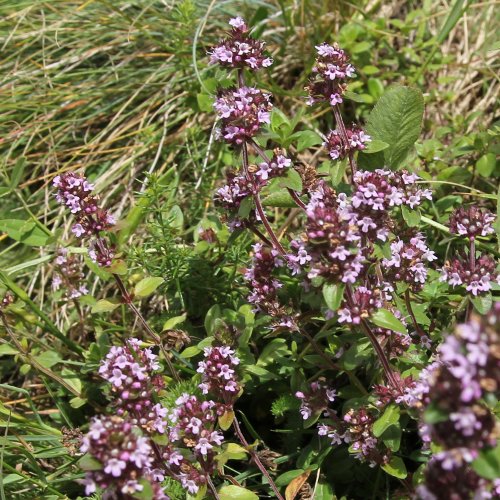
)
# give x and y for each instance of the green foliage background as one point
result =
(122, 90)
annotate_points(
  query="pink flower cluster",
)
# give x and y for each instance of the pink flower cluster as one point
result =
(472, 222)
(476, 278)
(192, 426)
(75, 192)
(263, 285)
(124, 456)
(316, 399)
(356, 429)
(275, 167)
(242, 113)
(331, 244)
(361, 306)
(408, 262)
(69, 274)
(239, 49)
(219, 377)
(338, 149)
(467, 374)
(330, 72)
(130, 371)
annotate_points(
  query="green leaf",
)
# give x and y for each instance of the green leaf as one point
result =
(77, 402)
(17, 172)
(337, 171)
(226, 420)
(72, 379)
(374, 146)
(48, 359)
(486, 164)
(333, 295)
(292, 180)
(118, 267)
(396, 467)
(245, 207)
(482, 303)
(8, 350)
(396, 120)
(147, 286)
(487, 464)
(278, 118)
(205, 102)
(233, 492)
(105, 305)
(88, 463)
(190, 352)
(391, 437)
(411, 217)
(388, 418)
(280, 199)
(27, 232)
(146, 493)
(385, 319)
(286, 477)
(352, 96)
(173, 322)
(306, 139)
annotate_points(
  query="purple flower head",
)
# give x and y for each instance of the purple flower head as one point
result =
(408, 262)
(239, 49)
(219, 376)
(336, 147)
(242, 113)
(316, 400)
(75, 192)
(330, 73)
(124, 456)
(364, 304)
(472, 222)
(68, 274)
(476, 279)
(131, 372)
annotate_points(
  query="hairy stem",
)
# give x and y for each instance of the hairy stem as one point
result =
(417, 327)
(256, 458)
(472, 257)
(154, 336)
(343, 133)
(376, 345)
(212, 487)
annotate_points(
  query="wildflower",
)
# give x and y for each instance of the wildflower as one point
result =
(242, 113)
(356, 430)
(124, 456)
(472, 222)
(131, 372)
(364, 304)
(408, 261)
(219, 376)
(316, 399)
(331, 244)
(336, 147)
(75, 192)
(239, 49)
(68, 274)
(330, 73)
(465, 375)
(476, 278)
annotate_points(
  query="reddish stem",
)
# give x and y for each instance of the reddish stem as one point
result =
(256, 458)
(343, 133)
